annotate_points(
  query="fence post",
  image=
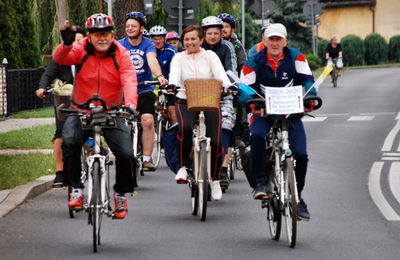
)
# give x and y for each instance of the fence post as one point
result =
(3, 89)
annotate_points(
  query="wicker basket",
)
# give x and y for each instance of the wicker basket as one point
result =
(203, 94)
(58, 100)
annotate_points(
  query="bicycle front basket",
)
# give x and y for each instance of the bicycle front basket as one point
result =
(203, 94)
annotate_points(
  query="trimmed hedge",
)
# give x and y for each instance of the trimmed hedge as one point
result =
(394, 48)
(376, 49)
(314, 61)
(353, 50)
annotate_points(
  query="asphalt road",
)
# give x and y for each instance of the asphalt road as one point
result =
(345, 141)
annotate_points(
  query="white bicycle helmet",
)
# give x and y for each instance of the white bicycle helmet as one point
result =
(211, 21)
(158, 30)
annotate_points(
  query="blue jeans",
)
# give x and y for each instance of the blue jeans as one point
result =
(298, 144)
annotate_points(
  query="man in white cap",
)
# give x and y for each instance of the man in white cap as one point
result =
(276, 65)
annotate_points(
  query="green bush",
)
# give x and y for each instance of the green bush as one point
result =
(322, 45)
(353, 50)
(394, 48)
(376, 49)
(314, 61)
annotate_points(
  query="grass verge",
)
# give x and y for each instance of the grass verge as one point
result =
(23, 168)
(38, 137)
(40, 112)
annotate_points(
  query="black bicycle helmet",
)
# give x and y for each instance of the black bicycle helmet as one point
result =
(138, 16)
(228, 19)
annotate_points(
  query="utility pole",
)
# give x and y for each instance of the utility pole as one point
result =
(243, 25)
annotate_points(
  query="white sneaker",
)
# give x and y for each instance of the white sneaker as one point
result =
(181, 176)
(216, 192)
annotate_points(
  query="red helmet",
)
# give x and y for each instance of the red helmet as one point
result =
(99, 22)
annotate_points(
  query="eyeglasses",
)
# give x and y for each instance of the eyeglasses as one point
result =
(105, 34)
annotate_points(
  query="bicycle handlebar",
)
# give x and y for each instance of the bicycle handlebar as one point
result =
(312, 103)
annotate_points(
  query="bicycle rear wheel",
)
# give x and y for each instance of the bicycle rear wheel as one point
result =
(290, 202)
(203, 182)
(274, 218)
(95, 207)
(156, 154)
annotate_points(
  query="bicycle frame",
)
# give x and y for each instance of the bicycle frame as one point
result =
(279, 141)
(102, 162)
(199, 136)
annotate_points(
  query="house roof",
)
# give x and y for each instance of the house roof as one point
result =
(340, 3)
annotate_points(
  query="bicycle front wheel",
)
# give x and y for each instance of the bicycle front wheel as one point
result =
(156, 154)
(95, 207)
(203, 182)
(334, 78)
(290, 202)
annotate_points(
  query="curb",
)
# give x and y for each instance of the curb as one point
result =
(24, 192)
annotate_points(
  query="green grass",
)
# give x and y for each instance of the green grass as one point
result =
(23, 168)
(38, 137)
(40, 112)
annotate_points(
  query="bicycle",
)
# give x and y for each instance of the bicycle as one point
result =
(202, 95)
(335, 71)
(281, 178)
(98, 177)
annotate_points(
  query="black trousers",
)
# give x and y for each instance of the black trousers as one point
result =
(119, 141)
(186, 120)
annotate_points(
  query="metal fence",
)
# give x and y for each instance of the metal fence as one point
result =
(18, 90)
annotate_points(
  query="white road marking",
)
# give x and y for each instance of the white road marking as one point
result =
(374, 186)
(360, 118)
(387, 145)
(314, 119)
(378, 114)
(394, 180)
(345, 114)
(391, 154)
(390, 158)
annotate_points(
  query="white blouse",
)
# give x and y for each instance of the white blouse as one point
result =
(202, 65)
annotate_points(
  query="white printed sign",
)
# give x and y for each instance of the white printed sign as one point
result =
(283, 101)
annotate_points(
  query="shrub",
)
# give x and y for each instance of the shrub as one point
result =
(394, 48)
(376, 49)
(322, 45)
(314, 61)
(353, 50)
(301, 46)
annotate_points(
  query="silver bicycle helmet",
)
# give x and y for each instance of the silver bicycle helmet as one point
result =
(158, 30)
(211, 21)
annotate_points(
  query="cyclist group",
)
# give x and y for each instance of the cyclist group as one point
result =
(109, 67)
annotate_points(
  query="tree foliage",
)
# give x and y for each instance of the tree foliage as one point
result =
(158, 17)
(19, 42)
(290, 13)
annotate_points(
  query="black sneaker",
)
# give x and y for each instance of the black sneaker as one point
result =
(59, 180)
(260, 192)
(224, 181)
(302, 212)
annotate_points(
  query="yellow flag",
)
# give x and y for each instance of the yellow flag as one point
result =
(327, 70)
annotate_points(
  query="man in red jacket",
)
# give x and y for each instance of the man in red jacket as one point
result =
(103, 66)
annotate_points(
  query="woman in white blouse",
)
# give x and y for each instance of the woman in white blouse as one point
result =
(197, 63)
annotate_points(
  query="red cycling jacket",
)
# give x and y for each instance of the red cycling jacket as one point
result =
(106, 74)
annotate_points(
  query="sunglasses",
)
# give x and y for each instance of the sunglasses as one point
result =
(106, 34)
